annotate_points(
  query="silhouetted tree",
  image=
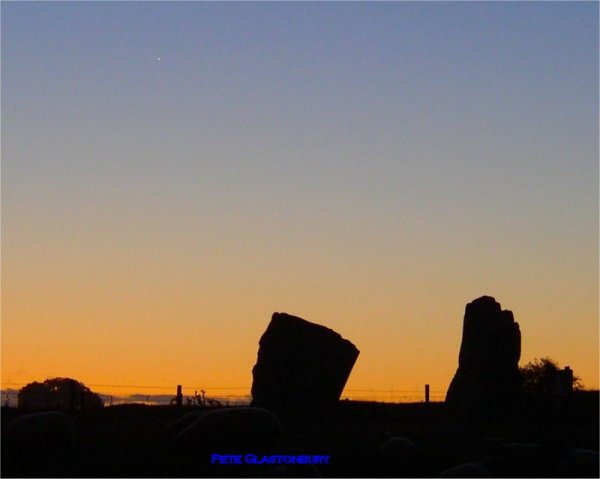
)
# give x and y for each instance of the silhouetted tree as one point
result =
(61, 394)
(539, 377)
(547, 386)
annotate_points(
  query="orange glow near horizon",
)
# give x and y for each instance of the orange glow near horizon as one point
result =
(165, 333)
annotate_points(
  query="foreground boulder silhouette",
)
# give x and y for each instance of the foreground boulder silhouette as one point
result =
(238, 429)
(488, 365)
(401, 457)
(301, 366)
(172, 430)
(45, 432)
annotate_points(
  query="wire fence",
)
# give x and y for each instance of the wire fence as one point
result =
(114, 394)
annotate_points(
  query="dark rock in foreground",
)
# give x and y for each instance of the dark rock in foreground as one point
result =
(40, 433)
(301, 366)
(241, 429)
(488, 366)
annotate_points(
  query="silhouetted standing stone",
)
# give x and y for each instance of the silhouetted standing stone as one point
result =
(301, 366)
(488, 364)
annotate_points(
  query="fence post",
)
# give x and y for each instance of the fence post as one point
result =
(179, 396)
(427, 393)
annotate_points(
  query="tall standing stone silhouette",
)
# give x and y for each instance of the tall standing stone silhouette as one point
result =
(488, 364)
(301, 366)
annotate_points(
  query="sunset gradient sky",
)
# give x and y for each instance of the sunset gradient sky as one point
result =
(371, 167)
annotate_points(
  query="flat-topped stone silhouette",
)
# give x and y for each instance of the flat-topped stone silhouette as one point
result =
(301, 366)
(488, 364)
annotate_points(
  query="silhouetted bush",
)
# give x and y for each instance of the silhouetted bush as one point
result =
(545, 384)
(540, 375)
(62, 394)
(201, 400)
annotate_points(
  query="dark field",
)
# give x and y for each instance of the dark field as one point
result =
(127, 441)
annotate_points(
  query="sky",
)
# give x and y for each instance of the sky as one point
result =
(174, 173)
